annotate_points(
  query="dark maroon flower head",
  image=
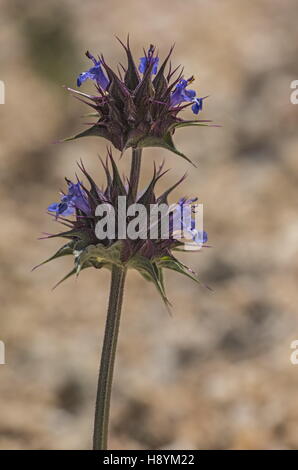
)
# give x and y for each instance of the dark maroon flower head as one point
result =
(138, 106)
(149, 255)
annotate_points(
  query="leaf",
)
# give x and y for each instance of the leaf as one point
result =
(148, 195)
(81, 235)
(95, 130)
(63, 251)
(100, 254)
(150, 272)
(76, 271)
(160, 83)
(117, 181)
(131, 78)
(159, 273)
(117, 89)
(164, 142)
(71, 273)
(200, 123)
(164, 196)
(169, 262)
(133, 137)
(145, 88)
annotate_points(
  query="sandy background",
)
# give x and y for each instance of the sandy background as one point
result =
(218, 373)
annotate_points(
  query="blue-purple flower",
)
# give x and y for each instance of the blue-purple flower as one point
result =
(76, 198)
(197, 106)
(183, 221)
(182, 95)
(149, 59)
(94, 73)
(145, 62)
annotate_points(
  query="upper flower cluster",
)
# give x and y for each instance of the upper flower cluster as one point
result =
(139, 107)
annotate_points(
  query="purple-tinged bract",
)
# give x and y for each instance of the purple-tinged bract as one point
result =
(140, 106)
(147, 255)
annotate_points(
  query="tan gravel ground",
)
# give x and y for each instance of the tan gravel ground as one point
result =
(218, 373)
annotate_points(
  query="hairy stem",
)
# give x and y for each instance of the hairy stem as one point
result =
(105, 378)
(104, 388)
(135, 172)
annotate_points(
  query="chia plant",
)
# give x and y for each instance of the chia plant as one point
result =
(134, 108)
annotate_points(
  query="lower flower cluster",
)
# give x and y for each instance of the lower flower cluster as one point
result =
(100, 234)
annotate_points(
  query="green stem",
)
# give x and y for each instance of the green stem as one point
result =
(135, 169)
(105, 378)
(104, 388)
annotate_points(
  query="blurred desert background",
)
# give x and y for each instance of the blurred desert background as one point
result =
(217, 375)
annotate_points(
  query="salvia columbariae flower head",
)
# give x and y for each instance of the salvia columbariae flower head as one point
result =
(140, 105)
(148, 248)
